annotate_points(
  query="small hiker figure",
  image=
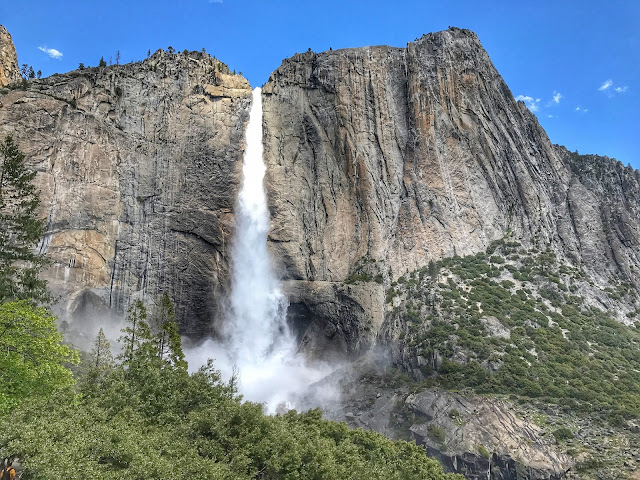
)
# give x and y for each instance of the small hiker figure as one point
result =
(8, 472)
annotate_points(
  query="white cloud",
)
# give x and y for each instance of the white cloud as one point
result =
(557, 97)
(52, 52)
(550, 116)
(605, 85)
(532, 104)
(583, 110)
(608, 91)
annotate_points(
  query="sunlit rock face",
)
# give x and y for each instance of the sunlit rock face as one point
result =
(381, 159)
(9, 69)
(139, 167)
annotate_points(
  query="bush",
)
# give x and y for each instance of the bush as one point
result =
(562, 434)
(482, 450)
(436, 433)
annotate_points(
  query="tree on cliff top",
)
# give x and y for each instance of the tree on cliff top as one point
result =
(20, 229)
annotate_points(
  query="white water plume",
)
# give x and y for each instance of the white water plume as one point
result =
(257, 340)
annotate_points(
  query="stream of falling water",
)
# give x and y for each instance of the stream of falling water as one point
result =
(257, 340)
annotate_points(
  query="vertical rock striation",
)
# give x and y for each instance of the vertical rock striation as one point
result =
(9, 69)
(381, 159)
(139, 166)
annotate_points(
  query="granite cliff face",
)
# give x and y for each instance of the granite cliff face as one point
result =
(9, 69)
(381, 159)
(139, 169)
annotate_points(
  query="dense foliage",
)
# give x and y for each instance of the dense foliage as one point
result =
(148, 418)
(512, 321)
(31, 356)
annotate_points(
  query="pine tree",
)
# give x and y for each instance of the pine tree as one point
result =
(102, 63)
(136, 337)
(20, 229)
(433, 269)
(101, 353)
(169, 345)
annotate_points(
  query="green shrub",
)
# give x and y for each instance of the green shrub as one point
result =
(436, 433)
(562, 434)
(482, 450)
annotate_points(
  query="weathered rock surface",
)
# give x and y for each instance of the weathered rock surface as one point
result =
(406, 155)
(139, 167)
(480, 437)
(335, 318)
(483, 438)
(9, 69)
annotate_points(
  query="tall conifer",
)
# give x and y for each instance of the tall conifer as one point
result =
(20, 229)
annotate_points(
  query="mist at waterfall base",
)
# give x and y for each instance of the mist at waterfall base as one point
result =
(256, 339)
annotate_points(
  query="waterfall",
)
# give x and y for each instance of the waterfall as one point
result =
(257, 341)
(256, 329)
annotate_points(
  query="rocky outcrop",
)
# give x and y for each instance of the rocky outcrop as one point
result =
(9, 69)
(335, 319)
(603, 204)
(477, 436)
(392, 157)
(139, 168)
(483, 438)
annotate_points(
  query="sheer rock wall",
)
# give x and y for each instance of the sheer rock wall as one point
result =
(139, 167)
(381, 159)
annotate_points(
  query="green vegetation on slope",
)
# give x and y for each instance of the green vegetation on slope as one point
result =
(148, 418)
(512, 321)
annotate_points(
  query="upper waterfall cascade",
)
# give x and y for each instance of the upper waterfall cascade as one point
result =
(257, 340)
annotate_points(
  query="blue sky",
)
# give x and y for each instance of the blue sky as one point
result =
(586, 51)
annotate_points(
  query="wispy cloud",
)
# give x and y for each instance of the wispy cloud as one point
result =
(557, 97)
(532, 104)
(609, 90)
(605, 85)
(52, 52)
(215, 1)
(583, 110)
